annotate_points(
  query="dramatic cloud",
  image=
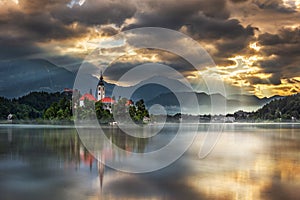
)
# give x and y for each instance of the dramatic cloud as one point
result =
(255, 43)
(39, 21)
(95, 12)
(205, 21)
(276, 5)
(281, 52)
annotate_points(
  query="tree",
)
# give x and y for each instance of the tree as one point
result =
(103, 115)
(141, 111)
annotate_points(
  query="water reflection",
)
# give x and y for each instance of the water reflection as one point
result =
(249, 162)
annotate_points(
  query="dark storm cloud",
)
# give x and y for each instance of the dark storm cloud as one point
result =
(165, 14)
(169, 14)
(36, 22)
(282, 52)
(43, 27)
(284, 36)
(211, 28)
(107, 31)
(95, 12)
(274, 80)
(234, 37)
(238, 1)
(37, 6)
(206, 21)
(21, 32)
(119, 68)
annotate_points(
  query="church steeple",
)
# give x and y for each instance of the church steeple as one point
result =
(101, 88)
(101, 79)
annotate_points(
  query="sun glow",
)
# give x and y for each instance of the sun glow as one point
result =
(10, 3)
(254, 46)
(291, 3)
(246, 74)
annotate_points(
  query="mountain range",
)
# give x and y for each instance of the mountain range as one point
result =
(20, 77)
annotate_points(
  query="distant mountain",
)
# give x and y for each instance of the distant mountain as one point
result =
(153, 93)
(149, 88)
(19, 77)
(252, 99)
(233, 102)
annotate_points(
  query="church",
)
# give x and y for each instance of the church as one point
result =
(107, 101)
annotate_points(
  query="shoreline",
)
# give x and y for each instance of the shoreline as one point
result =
(72, 125)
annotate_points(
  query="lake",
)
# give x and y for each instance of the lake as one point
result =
(249, 161)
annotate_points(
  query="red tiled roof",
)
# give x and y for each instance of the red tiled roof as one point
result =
(129, 102)
(68, 90)
(88, 97)
(107, 100)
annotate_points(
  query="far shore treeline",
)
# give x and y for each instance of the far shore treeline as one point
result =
(43, 106)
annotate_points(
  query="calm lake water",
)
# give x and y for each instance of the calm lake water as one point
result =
(250, 161)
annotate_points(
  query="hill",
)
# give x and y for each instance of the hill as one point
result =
(19, 77)
(287, 108)
(30, 106)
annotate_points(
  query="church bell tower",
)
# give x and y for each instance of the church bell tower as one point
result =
(101, 88)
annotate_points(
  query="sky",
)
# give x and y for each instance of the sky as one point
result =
(255, 44)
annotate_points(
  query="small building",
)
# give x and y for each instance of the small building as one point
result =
(88, 97)
(107, 101)
(146, 120)
(129, 103)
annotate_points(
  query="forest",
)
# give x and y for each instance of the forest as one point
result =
(58, 106)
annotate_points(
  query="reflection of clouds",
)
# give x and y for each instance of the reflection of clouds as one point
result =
(247, 166)
(249, 162)
(234, 171)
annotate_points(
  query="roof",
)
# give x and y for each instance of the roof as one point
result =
(107, 100)
(129, 102)
(88, 97)
(68, 90)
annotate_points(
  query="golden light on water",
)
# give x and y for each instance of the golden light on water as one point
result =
(248, 172)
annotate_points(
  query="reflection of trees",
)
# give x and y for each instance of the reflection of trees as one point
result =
(99, 142)
(125, 141)
(44, 144)
(65, 144)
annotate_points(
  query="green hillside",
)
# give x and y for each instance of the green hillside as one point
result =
(30, 106)
(286, 108)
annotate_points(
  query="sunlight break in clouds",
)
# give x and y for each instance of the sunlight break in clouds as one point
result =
(74, 2)
(291, 3)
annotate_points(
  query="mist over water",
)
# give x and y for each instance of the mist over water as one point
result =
(250, 161)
